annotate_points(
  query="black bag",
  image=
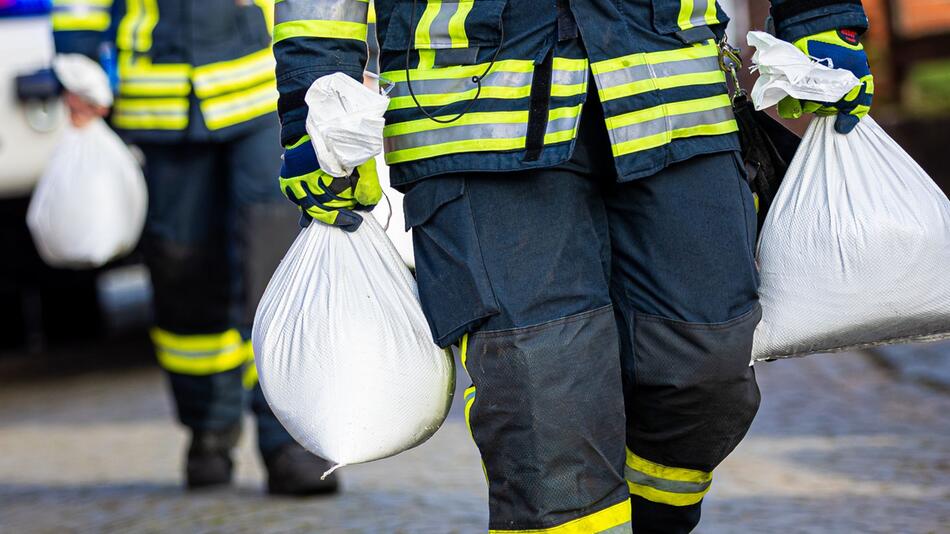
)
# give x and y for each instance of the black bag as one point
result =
(767, 146)
(767, 149)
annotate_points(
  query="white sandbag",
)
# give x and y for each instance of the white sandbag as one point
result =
(343, 351)
(89, 206)
(855, 249)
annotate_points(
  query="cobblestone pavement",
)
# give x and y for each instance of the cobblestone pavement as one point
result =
(839, 446)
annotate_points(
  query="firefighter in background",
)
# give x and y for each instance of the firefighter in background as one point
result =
(582, 227)
(196, 92)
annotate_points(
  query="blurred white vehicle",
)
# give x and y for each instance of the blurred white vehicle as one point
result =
(28, 130)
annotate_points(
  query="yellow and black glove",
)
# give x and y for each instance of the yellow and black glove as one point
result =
(843, 49)
(328, 199)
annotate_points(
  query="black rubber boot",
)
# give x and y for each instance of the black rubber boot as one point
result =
(292, 470)
(209, 457)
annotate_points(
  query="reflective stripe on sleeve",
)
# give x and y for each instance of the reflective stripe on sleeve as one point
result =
(249, 378)
(330, 19)
(612, 520)
(674, 486)
(199, 355)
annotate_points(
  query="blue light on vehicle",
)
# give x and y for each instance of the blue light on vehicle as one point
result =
(23, 8)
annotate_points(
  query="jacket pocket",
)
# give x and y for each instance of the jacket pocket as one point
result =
(454, 288)
(691, 21)
(445, 33)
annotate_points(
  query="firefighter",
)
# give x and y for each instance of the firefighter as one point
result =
(582, 228)
(196, 92)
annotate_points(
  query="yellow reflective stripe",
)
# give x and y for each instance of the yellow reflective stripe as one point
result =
(225, 76)
(141, 78)
(198, 354)
(710, 16)
(327, 29)
(614, 516)
(151, 113)
(482, 117)
(463, 349)
(96, 22)
(653, 141)
(454, 147)
(665, 110)
(469, 397)
(234, 108)
(102, 4)
(423, 39)
(680, 474)
(664, 497)
(457, 24)
(249, 379)
(686, 11)
(135, 29)
(697, 51)
(267, 7)
(404, 102)
(460, 71)
(667, 82)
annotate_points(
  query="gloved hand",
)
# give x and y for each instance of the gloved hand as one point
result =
(323, 197)
(845, 51)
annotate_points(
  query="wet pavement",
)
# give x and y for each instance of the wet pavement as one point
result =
(841, 444)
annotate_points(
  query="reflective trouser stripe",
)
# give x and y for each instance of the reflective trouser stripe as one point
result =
(696, 13)
(474, 132)
(139, 77)
(662, 484)
(336, 19)
(509, 79)
(151, 113)
(240, 106)
(651, 127)
(249, 378)
(639, 73)
(199, 355)
(225, 76)
(612, 520)
(81, 15)
(135, 29)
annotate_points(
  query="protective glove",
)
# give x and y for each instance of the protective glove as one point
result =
(844, 51)
(328, 199)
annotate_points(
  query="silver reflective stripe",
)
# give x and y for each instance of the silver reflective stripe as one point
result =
(659, 70)
(465, 132)
(562, 124)
(460, 85)
(569, 77)
(669, 123)
(439, 31)
(213, 110)
(255, 67)
(372, 47)
(662, 484)
(341, 10)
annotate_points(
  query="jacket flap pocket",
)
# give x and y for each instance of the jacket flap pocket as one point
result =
(426, 197)
(458, 24)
